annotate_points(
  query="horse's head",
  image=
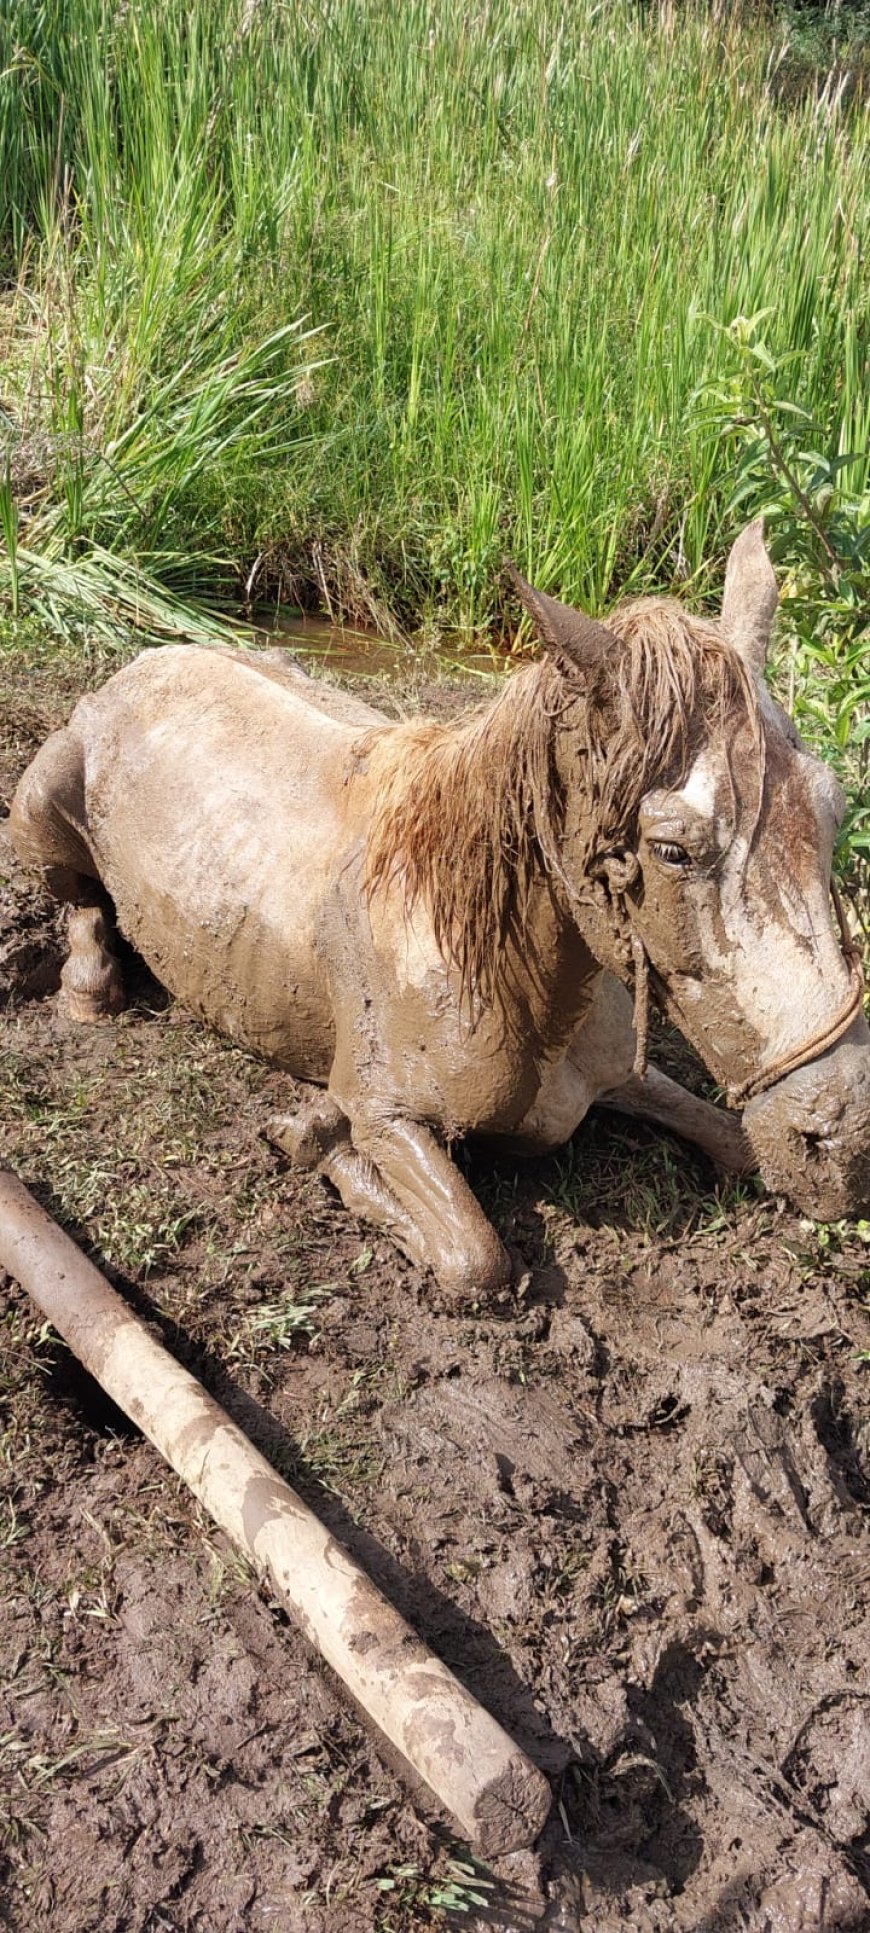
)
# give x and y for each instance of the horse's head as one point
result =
(697, 842)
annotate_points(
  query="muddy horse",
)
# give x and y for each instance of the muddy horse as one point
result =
(456, 929)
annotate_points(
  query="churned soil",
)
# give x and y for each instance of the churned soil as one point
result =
(629, 1507)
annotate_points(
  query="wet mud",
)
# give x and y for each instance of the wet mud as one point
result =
(629, 1508)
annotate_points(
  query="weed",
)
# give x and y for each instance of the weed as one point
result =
(12, 1530)
(9, 528)
(464, 1885)
(277, 1325)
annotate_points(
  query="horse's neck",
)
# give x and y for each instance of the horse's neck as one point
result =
(549, 969)
(469, 819)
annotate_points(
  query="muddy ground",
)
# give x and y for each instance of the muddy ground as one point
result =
(629, 1508)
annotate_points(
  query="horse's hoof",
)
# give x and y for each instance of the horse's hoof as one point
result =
(81, 1004)
(308, 1136)
(481, 1278)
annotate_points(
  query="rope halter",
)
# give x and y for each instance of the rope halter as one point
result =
(818, 1043)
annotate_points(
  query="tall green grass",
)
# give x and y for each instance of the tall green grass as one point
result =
(520, 232)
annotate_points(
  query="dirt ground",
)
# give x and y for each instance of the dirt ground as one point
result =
(629, 1508)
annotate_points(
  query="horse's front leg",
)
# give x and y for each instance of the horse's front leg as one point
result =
(655, 1097)
(393, 1167)
(440, 1224)
(395, 1173)
(600, 1057)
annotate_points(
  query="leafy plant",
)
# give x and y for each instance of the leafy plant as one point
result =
(811, 480)
(280, 1324)
(464, 1886)
(9, 529)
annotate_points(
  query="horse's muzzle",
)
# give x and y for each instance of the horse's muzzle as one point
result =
(811, 1132)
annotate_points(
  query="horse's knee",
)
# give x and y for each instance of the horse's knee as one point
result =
(472, 1269)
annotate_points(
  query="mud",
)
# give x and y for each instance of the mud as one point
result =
(629, 1509)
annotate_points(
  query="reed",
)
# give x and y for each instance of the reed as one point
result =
(519, 233)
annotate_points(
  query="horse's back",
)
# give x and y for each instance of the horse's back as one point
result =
(227, 702)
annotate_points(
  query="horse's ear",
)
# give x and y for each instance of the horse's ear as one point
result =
(751, 596)
(576, 641)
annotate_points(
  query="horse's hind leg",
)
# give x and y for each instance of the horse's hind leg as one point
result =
(91, 985)
(49, 832)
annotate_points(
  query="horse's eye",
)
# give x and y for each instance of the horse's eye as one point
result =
(669, 853)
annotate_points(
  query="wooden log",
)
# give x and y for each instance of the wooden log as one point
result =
(497, 1796)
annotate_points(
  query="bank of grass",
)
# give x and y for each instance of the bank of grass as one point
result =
(342, 302)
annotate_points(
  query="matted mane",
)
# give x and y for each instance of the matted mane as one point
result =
(470, 815)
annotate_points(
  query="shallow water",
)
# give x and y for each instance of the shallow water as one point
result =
(365, 654)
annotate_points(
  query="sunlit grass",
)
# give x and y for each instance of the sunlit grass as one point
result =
(515, 227)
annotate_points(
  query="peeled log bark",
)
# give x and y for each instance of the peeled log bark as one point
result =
(498, 1797)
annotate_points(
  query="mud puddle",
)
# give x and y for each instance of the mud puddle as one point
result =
(631, 1512)
(365, 655)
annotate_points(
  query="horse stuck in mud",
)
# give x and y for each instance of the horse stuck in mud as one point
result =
(455, 929)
